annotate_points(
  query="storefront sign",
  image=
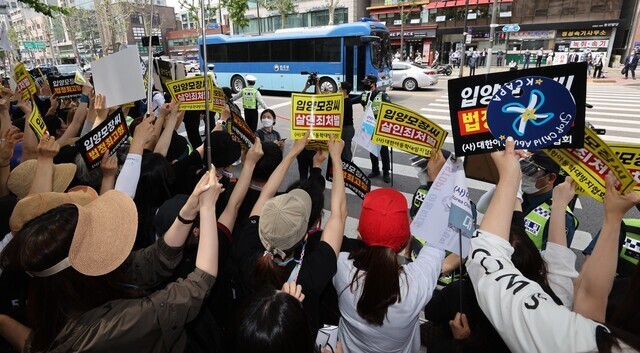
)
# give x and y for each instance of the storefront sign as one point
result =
(522, 35)
(585, 33)
(576, 44)
(429, 33)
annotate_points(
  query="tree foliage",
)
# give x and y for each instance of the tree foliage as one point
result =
(284, 8)
(46, 9)
(193, 9)
(237, 9)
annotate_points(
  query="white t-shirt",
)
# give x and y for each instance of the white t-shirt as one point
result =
(526, 318)
(400, 332)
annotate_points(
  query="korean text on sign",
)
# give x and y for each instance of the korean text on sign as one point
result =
(588, 166)
(401, 128)
(629, 156)
(65, 86)
(24, 82)
(190, 92)
(319, 114)
(354, 178)
(109, 135)
(36, 122)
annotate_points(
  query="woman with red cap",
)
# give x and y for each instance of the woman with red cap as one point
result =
(379, 299)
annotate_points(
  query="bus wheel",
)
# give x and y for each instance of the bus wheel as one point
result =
(327, 85)
(237, 83)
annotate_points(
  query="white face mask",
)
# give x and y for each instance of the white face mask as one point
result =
(267, 122)
(529, 185)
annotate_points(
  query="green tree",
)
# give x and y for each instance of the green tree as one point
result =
(46, 9)
(331, 7)
(237, 9)
(193, 8)
(284, 8)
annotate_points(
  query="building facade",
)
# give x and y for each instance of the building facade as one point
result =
(309, 13)
(564, 29)
(182, 44)
(163, 21)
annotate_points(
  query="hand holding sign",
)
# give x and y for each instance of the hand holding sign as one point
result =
(508, 161)
(109, 165)
(255, 152)
(319, 157)
(563, 193)
(435, 164)
(299, 145)
(8, 142)
(617, 205)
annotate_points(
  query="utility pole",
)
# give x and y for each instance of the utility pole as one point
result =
(464, 39)
(402, 31)
(258, 14)
(492, 33)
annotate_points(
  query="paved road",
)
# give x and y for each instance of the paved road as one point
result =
(615, 109)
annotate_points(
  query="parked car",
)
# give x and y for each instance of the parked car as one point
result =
(413, 76)
(191, 66)
(68, 69)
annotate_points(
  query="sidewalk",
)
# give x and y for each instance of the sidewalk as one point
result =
(613, 75)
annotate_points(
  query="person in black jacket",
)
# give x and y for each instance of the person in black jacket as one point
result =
(630, 64)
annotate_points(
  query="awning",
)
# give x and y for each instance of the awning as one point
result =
(461, 3)
(383, 11)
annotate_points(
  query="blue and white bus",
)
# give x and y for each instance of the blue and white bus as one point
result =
(346, 52)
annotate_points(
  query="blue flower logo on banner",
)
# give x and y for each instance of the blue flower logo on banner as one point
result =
(536, 111)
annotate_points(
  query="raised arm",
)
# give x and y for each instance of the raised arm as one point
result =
(129, 176)
(30, 142)
(43, 178)
(171, 117)
(497, 219)
(73, 130)
(334, 230)
(274, 182)
(109, 169)
(228, 217)
(562, 196)
(10, 138)
(596, 277)
(207, 256)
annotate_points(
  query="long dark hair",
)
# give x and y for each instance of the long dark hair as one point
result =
(273, 322)
(624, 324)
(154, 187)
(55, 300)
(381, 286)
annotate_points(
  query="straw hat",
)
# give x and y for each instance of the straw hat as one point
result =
(34, 205)
(103, 238)
(22, 176)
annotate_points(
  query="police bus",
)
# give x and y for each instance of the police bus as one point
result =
(346, 52)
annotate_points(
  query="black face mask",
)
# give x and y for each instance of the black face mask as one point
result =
(368, 86)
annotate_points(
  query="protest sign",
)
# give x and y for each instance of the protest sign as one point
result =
(588, 166)
(427, 224)
(65, 86)
(79, 78)
(401, 128)
(118, 77)
(321, 114)
(629, 156)
(109, 134)
(165, 71)
(24, 82)
(536, 111)
(365, 134)
(470, 96)
(236, 126)
(190, 93)
(481, 167)
(354, 178)
(36, 122)
(218, 101)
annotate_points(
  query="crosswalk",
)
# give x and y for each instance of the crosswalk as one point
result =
(614, 109)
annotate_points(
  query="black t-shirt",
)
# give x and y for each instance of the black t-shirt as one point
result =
(318, 267)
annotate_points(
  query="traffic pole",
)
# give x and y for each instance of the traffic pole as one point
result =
(492, 33)
(464, 39)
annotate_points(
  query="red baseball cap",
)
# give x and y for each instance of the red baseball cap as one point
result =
(384, 220)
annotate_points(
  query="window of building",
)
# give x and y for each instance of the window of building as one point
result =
(155, 19)
(138, 32)
(136, 19)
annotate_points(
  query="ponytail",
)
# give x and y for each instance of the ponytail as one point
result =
(268, 273)
(381, 286)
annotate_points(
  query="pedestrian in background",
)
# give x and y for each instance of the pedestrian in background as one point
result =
(527, 58)
(251, 97)
(630, 64)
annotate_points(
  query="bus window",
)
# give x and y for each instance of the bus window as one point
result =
(303, 50)
(281, 50)
(259, 52)
(238, 52)
(328, 50)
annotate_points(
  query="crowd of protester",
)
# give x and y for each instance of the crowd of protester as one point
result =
(156, 251)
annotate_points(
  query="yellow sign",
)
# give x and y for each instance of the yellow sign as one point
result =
(404, 129)
(320, 114)
(79, 78)
(190, 93)
(36, 122)
(219, 100)
(629, 156)
(588, 166)
(24, 82)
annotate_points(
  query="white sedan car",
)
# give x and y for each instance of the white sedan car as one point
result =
(412, 76)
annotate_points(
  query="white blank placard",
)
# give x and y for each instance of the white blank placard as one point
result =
(119, 77)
